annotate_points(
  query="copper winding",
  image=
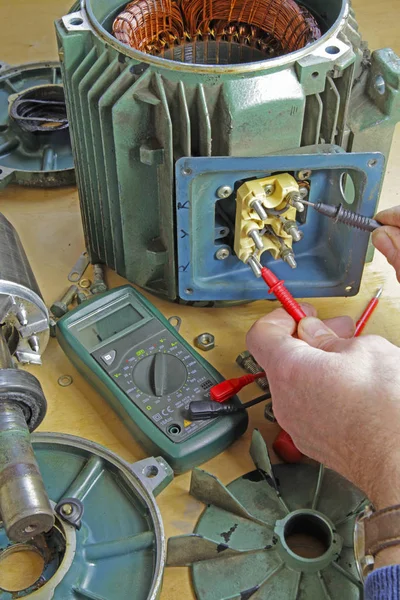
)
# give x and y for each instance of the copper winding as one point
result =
(275, 27)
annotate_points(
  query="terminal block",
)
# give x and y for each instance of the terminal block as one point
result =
(266, 211)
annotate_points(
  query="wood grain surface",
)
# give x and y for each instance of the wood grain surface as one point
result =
(49, 225)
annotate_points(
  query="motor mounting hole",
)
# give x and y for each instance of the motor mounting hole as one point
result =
(76, 21)
(150, 471)
(308, 536)
(332, 50)
(21, 566)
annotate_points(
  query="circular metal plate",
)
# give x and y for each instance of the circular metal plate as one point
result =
(119, 551)
(35, 146)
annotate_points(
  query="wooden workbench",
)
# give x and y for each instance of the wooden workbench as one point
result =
(49, 225)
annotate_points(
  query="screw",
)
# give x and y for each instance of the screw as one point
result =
(294, 199)
(99, 285)
(222, 254)
(269, 189)
(60, 308)
(224, 191)
(304, 174)
(67, 510)
(254, 234)
(33, 342)
(259, 209)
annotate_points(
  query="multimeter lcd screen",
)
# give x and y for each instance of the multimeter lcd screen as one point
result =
(103, 329)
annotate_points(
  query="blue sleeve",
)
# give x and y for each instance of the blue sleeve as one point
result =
(383, 584)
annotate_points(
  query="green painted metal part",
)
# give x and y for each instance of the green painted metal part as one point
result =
(33, 152)
(134, 115)
(278, 532)
(119, 551)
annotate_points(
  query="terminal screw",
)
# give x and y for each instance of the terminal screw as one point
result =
(295, 200)
(289, 258)
(292, 229)
(257, 206)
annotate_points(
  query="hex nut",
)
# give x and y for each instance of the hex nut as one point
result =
(205, 341)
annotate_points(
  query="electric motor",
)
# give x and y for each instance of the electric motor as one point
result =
(199, 127)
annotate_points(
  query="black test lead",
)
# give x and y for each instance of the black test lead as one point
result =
(342, 215)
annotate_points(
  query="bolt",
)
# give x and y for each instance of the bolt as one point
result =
(294, 199)
(33, 342)
(254, 234)
(222, 254)
(269, 189)
(99, 285)
(52, 325)
(60, 308)
(255, 266)
(22, 316)
(67, 510)
(292, 229)
(81, 297)
(224, 191)
(259, 209)
(288, 256)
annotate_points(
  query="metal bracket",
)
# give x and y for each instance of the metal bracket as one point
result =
(71, 510)
(154, 473)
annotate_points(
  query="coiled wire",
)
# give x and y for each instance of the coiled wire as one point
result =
(272, 27)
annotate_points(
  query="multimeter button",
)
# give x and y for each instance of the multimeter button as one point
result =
(109, 357)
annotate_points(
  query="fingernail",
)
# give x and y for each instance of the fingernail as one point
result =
(314, 328)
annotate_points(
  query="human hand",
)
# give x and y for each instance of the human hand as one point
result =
(387, 239)
(337, 396)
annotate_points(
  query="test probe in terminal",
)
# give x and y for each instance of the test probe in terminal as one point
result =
(342, 215)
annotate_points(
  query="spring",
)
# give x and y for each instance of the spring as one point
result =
(270, 27)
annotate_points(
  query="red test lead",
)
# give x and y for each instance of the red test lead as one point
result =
(226, 389)
(277, 287)
(362, 323)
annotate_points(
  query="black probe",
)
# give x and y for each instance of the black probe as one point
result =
(342, 215)
(202, 410)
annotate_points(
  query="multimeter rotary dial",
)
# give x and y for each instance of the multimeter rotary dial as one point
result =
(159, 374)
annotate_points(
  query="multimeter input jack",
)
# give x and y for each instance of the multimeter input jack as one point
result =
(174, 429)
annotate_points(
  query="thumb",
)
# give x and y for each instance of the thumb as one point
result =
(318, 335)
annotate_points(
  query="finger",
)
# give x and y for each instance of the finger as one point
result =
(272, 336)
(319, 335)
(344, 327)
(283, 320)
(387, 241)
(390, 216)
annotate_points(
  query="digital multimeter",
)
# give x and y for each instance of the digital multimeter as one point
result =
(149, 375)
